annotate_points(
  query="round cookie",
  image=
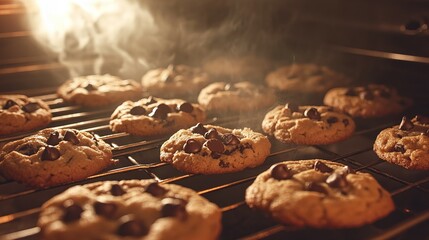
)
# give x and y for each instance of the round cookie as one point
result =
(406, 144)
(20, 113)
(307, 78)
(311, 125)
(208, 149)
(129, 209)
(224, 97)
(52, 157)
(98, 90)
(367, 102)
(155, 116)
(319, 194)
(175, 81)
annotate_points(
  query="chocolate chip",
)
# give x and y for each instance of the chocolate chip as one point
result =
(280, 172)
(161, 111)
(315, 187)
(332, 120)
(211, 134)
(50, 154)
(28, 149)
(137, 110)
(105, 209)
(70, 136)
(192, 146)
(223, 164)
(215, 155)
(350, 92)
(399, 148)
(30, 107)
(366, 95)
(172, 207)
(321, 167)
(230, 87)
(89, 87)
(54, 138)
(150, 100)
(215, 145)
(244, 146)
(292, 107)
(116, 190)
(72, 211)
(9, 103)
(406, 124)
(312, 113)
(129, 226)
(422, 119)
(346, 122)
(199, 128)
(336, 180)
(185, 107)
(155, 189)
(230, 139)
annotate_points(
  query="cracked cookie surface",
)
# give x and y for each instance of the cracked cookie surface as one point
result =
(406, 144)
(129, 209)
(309, 125)
(209, 149)
(20, 113)
(320, 194)
(99, 90)
(155, 116)
(52, 157)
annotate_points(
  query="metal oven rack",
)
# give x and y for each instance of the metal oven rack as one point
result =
(139, 159)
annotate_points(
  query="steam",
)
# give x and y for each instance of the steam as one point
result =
(128, 37)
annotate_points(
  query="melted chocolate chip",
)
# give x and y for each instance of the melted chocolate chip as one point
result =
(280, 172)
(70, 136)
(292, 107)
(422, 119)
(30, 107)
(161, 111)
(315, 187)
(346, 122)
(244, 146)
(321, 167)
(155, 189)
(54, 139)
(199, 128)
(332, 120)
(72, 211)
(185, 107)
(406, 124)
(365, 95)
(215, 145)
(230, 139)
(116, 190)
(28, 149)
(129, 226)
(211, 134)
(50, 154)
(312, 113)
(350, 92)
(9, 103)
(150, 100)
(173, 207)
(336, 180)
(138, 110)
(192, 146)
(89, 87)
(215, 155)
(399, 148)
(105, 209)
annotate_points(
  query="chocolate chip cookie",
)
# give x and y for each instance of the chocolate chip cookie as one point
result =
(208, 149)
(367, 102)
(406, 144)
(175, 81)
(155, 116)
(129, 209)
(306, 78)
(98, 90)
(52, 157)
(20, 113)
(311, 125)
(221, 97)
(319, 194)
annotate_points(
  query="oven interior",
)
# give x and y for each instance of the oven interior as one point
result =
(371, 41)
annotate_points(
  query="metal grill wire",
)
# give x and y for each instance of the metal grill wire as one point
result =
(139, 158)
